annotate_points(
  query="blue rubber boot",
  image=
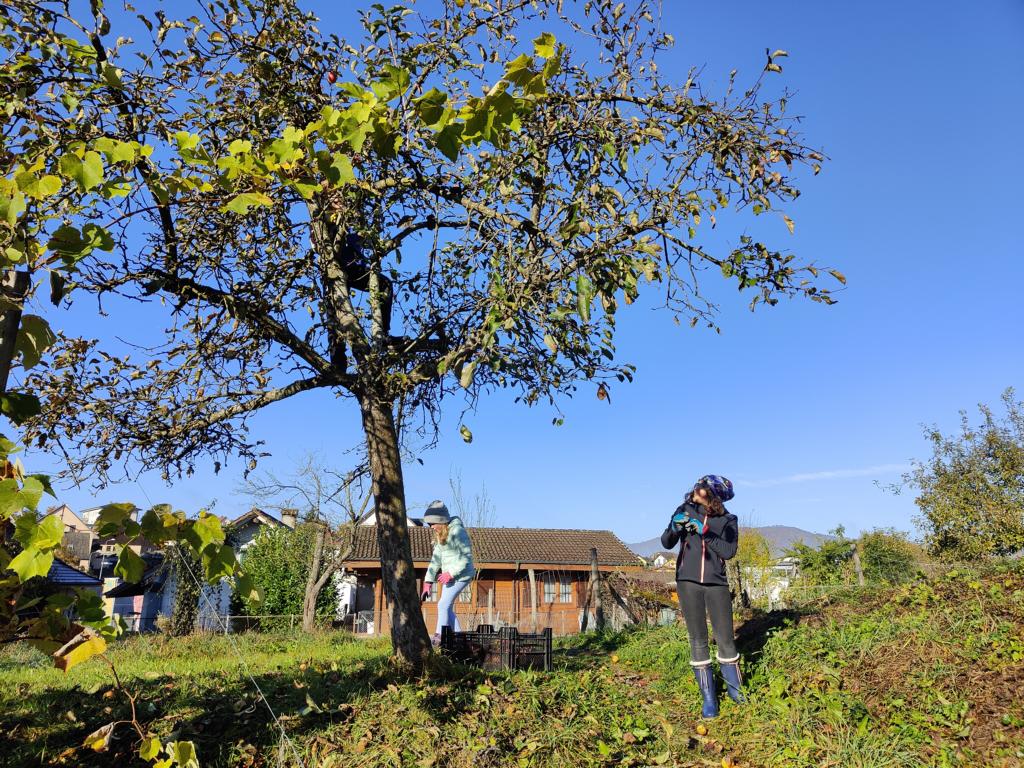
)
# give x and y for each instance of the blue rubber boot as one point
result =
(733, 679)
(706, 683)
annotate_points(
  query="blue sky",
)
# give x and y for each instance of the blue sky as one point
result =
(919, 107)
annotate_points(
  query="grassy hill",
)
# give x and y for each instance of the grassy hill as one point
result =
(924, 674)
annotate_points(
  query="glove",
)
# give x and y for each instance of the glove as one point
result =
(678, 520)
(444, 578)
(427, 586)
(695, 527)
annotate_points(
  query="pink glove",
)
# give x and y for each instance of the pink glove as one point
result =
(427, 586)
(444, 578)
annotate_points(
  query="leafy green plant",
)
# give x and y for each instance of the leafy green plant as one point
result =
(278, 562)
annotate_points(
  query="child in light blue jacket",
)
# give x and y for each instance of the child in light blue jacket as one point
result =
(451, 564)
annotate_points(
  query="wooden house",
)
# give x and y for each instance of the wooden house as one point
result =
(526, 577)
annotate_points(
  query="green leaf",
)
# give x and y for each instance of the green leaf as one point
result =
(184, 754)
(34, 338)
(449, 141)
(10, 498)
(31, 492)
(219, 562)
(544, 45)
(87, 171)
(12, 205)
(584, 296)
(241, 204)
(112, 517)
(58, 287)
(293, 135)
(130, 566)
(20, 406)
(73, 245)
(38, 187)
(339, 172)
(466, 375)
(186, 141)
(31, 562)
(550, 343)
(247, 590)
(239, 147)
(204, 532)
(466, 434)
(44, 483)
(430, 106)
(150, 748)
(112, 76)
(122, 152)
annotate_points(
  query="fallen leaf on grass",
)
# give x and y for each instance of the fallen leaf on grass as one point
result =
(100, 738)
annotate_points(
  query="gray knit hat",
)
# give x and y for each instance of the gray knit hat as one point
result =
(436, 513)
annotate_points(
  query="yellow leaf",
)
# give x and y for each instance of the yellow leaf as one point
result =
(98, 739)
(789, 223)
(150, 748)
(83, 646)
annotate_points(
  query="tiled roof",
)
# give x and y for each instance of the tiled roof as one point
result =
(514, 545)
(62, 573)
(253, 515)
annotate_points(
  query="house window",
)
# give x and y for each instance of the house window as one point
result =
(565, 590)
(466, 595)
(549, 587)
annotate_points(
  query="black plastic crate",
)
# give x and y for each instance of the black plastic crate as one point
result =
(533, 651)
(505, 649)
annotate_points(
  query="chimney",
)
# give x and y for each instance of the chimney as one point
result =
(289, 517)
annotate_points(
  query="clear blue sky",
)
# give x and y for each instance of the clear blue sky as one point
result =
(919, 106)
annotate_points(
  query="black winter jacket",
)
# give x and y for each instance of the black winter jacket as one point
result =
(702, 558)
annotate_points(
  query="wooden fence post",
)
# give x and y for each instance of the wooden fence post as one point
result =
(533, 599)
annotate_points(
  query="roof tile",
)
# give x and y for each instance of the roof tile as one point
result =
(556, 546)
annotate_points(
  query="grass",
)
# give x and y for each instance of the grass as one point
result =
(925, 674)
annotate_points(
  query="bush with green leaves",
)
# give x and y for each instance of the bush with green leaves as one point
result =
(888, 555)
(278, 562)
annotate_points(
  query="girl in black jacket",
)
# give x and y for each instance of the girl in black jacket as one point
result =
(709, 535)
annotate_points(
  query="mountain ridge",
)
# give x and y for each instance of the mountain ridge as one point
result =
(779, 538)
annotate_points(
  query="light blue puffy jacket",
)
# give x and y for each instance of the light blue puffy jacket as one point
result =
(454, 556)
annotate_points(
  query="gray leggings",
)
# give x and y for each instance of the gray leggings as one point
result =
(697, 601)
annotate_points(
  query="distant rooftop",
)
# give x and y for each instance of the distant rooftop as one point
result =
(554, 546)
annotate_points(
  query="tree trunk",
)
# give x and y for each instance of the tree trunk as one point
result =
(408, 631)
(857, 567)
(595, 579)
(312, 590)
(13, 288)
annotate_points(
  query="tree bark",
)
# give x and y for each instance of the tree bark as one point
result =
(408, 631)
(595, 583)
(309, 602)
(13, 288)
(857, 566)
